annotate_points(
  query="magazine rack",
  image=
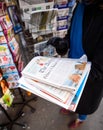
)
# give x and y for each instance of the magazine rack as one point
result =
(25, 102)
(8, 125)
(27, 42)
(23, 52)
(41, 22)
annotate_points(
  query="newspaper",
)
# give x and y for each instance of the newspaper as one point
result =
(61, 2)
(41, 94)
(78, 94)
(60, 33)
(43, 20)
(43, 49)
(63, 13)
(56, 93)
(32, 2)
(63, 73)
(28, 9)
(69, 101)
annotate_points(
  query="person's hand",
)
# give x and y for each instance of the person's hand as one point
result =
(75, 78)
(62, 47)
(60, 44)
(54, 41)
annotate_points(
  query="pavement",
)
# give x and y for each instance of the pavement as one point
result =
(47, 117)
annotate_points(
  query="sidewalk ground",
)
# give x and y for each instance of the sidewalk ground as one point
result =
(47, 117)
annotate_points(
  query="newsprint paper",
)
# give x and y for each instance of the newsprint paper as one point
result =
(58, 80)
(62, 73)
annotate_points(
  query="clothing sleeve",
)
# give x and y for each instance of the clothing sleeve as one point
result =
(67, 36)
(97, 62)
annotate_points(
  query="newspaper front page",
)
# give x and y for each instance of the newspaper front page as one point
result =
(62, 98)
(62, 73)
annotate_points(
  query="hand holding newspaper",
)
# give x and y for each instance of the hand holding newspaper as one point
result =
(59, 80)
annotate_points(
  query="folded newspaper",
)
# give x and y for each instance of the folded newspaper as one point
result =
(58, 80)
(62, 73)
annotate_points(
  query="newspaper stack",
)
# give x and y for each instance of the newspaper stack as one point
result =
(58, 80)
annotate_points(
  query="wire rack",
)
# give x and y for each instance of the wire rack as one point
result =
(38, 26)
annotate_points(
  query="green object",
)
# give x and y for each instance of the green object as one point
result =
(8, 98)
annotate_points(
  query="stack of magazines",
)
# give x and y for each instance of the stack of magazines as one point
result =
(58, 80)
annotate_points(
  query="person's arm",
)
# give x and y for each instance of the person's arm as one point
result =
(96, 72)
(61, 44)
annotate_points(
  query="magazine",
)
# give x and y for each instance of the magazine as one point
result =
(12, 79)
(4, 50)
(5, 22)
(62, 73)
(9, 34)
(14, 47)
(10, 72)
(2, 38)
(13, 14)
(2, 8)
